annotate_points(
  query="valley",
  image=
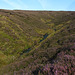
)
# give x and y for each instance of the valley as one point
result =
(37, 42)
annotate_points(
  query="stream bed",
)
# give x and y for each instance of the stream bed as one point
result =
(29, 49)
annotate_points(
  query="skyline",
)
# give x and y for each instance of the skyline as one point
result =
(51, 5)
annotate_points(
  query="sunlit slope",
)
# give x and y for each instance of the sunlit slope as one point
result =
(20, 30)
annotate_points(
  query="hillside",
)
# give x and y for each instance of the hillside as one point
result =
(37, 42)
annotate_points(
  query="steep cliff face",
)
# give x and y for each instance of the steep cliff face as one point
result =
(37, 42)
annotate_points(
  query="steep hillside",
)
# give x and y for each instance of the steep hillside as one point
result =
(37, 42)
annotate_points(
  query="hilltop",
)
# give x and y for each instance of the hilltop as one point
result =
(37, 42)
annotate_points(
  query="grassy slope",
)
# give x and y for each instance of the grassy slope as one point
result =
(20, 30)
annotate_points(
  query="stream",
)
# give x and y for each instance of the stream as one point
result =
(27, 50)
(44, 37)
